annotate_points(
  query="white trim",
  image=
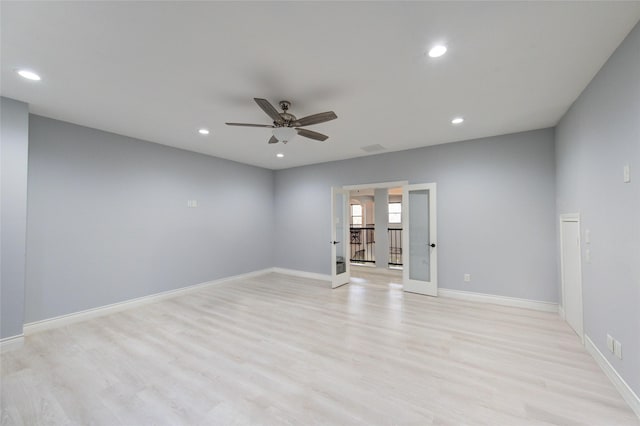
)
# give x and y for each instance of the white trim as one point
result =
(618, 382)
(572, 217)
(499, 300)
(377, 185)
(561, 312)
(11, 343)
(302, 274)
(62, 320)
(355, 264)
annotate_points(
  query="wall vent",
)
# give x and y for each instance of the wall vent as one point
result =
(373, 148)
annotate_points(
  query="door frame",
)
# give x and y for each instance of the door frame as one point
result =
(429, 288)
(379, 185)
(572, 217)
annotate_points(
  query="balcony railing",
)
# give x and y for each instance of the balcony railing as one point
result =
(363, 245)
(395, 246)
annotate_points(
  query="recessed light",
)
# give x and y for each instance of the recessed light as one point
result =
(29, 75)
(457, 120)
(280, 155)
(203, 131)
(437, 51)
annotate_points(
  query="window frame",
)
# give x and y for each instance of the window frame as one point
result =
(394, 214)
(361, 215)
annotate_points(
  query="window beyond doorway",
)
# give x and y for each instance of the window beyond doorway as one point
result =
(395, 212)
(356, 215)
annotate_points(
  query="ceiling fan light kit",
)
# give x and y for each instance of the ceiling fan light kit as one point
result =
(284, 134)
(286, 126)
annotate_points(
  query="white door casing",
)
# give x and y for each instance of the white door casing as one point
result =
(419, 239)
(571, 271)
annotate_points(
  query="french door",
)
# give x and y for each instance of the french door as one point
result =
(340, 268)
(419, 254)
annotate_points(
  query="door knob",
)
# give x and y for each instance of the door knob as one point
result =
(335, 242)
(432, 244)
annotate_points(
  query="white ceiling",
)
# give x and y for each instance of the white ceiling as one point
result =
(160, 70)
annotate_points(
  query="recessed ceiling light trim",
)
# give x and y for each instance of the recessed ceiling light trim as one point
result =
(437, 51)
(280, 155)
(203, 131)
(28, 74)
(457, 120)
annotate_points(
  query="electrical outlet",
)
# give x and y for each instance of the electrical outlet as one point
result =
(617, 349)
(609, 343)
(467, 278)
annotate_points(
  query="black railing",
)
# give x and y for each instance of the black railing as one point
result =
(395, 246)
(362, 245)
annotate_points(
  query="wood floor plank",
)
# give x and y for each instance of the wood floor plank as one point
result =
(278, 350)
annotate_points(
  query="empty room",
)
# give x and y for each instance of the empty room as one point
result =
(331, 213)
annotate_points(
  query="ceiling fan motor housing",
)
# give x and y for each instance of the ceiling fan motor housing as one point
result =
(286, 117)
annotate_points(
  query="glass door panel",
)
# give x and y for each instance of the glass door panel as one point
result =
(419, 237)
(340, 269)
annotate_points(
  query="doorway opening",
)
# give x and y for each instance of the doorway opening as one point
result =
(375, 225)
(413, 212)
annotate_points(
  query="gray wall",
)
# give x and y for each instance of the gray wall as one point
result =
(496, 210)
(599, 134)
(108, 218)
(14, 147)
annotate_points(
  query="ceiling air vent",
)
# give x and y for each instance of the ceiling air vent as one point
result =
(373, 148)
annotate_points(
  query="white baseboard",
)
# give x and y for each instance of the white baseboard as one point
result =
(62, 320)
(302, 274)
(499, 300)
(11, 343)
(561, 312)
(618, 382)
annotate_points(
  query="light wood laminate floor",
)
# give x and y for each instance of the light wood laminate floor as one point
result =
(278, 350)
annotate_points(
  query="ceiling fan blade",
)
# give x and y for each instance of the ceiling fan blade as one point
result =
(312, 135)
(269, 109)
(316, 118)
(250, 125)
(273, 140)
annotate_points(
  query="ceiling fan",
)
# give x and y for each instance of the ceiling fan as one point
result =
(285, 125)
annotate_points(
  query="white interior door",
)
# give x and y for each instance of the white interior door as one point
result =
(419, 252)
(571, 271)
(340, 268)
